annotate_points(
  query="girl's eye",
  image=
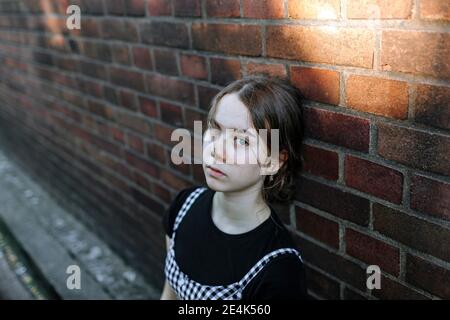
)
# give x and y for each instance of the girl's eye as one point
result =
(241, 141)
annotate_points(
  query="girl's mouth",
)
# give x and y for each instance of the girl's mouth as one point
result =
(215, 172)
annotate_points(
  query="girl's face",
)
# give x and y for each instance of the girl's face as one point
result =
(230, 145)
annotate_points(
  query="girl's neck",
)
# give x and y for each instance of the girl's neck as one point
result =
(239, 211)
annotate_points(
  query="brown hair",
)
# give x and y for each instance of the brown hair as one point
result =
(273, 103)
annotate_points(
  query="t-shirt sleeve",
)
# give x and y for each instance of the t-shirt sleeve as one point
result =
(282, 279)
(170, 214)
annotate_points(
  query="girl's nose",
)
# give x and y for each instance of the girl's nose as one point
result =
(218, 151)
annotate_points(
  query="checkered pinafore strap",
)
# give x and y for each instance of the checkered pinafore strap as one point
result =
(189, 289)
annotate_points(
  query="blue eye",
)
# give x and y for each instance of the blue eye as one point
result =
(241, 141)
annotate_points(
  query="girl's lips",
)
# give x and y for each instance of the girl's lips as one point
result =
(215, 172)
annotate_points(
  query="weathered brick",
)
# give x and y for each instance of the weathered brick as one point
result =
(234, 38)
(384, 97)
(340, 129)
(128, 99)
(156, 152)
(379, 9)
(428, 56)
(135, 7)
(171, 114)
(142, 58)
(430, 197)
(223, 8)
(333, 200)
(308, 221)
(132, 122)
(168, 34)
(435, 10)
(135, 142)
(127, 78)
(317, 84)
(334, 264)
(322, 285)
(116, 7)
(121, 54)
(205, 96)
(187, 8)
(393, 290)
(269, 9)
(160, 7)
(321, 162)
(171, 88)
(428, 276)
(272, 69)
(224, 71)
(165, 62)
(332, 45)
(373, 178)
(193, 66)
(414, 148)
(416, 233)
(432, 106)
(93, 69)
(117, 29)
(314, 9)
(174, 181)
(148, 107)
(372, 251)
(142, 164)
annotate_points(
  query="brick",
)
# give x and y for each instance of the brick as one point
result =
(234, 38)
(414, 148)
(272, 69)
(193, 66)
(162, 133)
(428, 276)
(193, 115)
(334, 201)
(428, 56)
(116, 7)
(430, 196)
(156, 152)
(135, 142)
(142, 58)
(141, 180)
(142, 164)
(168, 34)
(148, 107)
(147, 201)
(127, 78)
(333, 263)
(159, 7)
(317, 84)
(379, 9)
(413, 232)
(432, 106)
(223, 8)
(350, 294)
(269, 9)
(314, 9)
(117, 134)
(373, 178)
(117, 29)
(135, 7)
(339, 129)
(174, 181)
(372, 251)
(224, 71)
(132, 122)
(435, 10)
(308, 221)
(90, 28)
(100, 109)
(332, 45)
(94, 7)
(322, 285)
(165, 62)
(171, 114)
(187, 8)
(121, 54)
(171, 88)
(321, 162)
(384, 97)
(393, 290)
(128, 99)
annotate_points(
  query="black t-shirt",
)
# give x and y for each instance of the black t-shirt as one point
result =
(211, 257)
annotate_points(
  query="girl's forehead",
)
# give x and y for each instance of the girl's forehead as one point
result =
(231, 112)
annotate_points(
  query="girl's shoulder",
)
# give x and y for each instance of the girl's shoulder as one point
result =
(169, 216)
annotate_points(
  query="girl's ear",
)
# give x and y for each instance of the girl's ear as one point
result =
(274, 166)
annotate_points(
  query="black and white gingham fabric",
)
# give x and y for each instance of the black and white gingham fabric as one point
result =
(188, 289)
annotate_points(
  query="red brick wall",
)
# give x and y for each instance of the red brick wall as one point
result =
(90, 112)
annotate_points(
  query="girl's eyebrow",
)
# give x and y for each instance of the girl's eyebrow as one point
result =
(221, 126)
